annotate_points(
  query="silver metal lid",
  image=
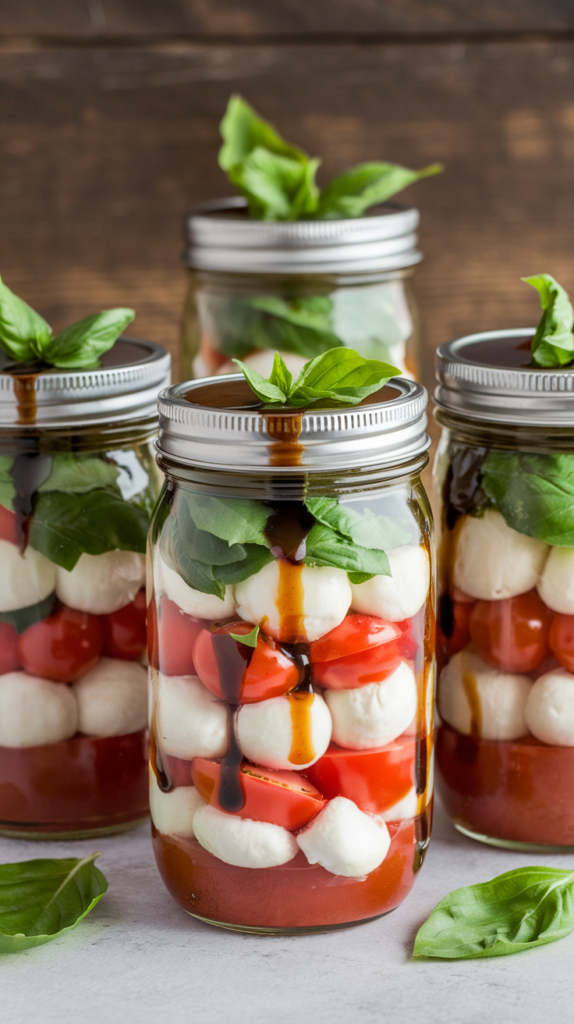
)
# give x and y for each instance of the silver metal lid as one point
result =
(124, 387)
(240, 440)
(222, 237)
(491, 391)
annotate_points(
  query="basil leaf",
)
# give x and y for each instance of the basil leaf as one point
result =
(553, 342)
(65, 526)
(299, 325)
(256, 557)
(24, 334)
(235, 520)
(326, 547)
(21, 618)
(369, 184)
(249, 639)
(7, 486)
(515, 911)
(281, 376)
(360, 577)
(205, 543)
(267, 392)
(81, 345)
(242, 130)
(534, 493)
(363, 528)
(79, 474)
(196, 574)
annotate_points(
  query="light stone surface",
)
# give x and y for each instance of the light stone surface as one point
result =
(138, 957)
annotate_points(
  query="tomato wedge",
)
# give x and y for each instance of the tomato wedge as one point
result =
(8, 525)
(171, 637)
(262, 672)
(373, 779)
(281, 797)
(355, 634)
(358, 669)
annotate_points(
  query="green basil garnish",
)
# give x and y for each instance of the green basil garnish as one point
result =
(249, 639)
(534, 493)
(553, 342)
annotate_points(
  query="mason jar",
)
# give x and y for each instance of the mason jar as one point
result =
(505, 470)
(299, 288)
(291, 654)
(78, 482)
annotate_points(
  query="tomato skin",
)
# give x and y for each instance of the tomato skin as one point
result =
(282, 797)
(358, 669)
(512, 634)
(171, 638)
(268, 671)
(355, 634)
(460, 635)
(9, 657)
(62, 647)
(562, 639)
(124, 631)
(8, 526)
(373, 779)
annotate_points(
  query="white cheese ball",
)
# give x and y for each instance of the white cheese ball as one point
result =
(472, 693)
(101, 584)
(34, 711)
(262, 362)
(374, 715)
(190, 721)
(556, 585)
(345, 840)
(403, 809)
(173, 813)
(550, 708)
(192, 602)
(493, 561)
(266, 731)
(112, 698)
(241, 841)
(326, 600)
(401, 595)
(26, 579)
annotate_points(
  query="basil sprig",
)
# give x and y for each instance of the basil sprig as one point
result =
(42, 899)
(278, 178)
(340, 375)
(25, 337)
(553, 342)
(515, 911)
(534, 493)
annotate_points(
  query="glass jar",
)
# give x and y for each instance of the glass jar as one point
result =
(292, 676)
(299, 288)
(78, 482)
(505, 465)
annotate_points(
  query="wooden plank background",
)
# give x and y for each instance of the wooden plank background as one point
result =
(109, 114)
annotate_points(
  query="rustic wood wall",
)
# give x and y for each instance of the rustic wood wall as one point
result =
(109, 115)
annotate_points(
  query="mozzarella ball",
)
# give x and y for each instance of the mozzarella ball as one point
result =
(326, 600)
(262, 362)
(35, 711)
(345, 840)
(242, 841)
(270, 730)
(173, 813)
(556, 585)
(550, 708)
(474, 697)
(192, 602)
(26, 579)
(493, 561)
(401, 595)
(112, 698)
(375, 714)
(190, 721)
(405, 808)
(101, 584)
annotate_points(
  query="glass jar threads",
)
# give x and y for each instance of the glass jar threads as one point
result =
(299, 288)
(505, 466)
(77, 484)
(291, 654)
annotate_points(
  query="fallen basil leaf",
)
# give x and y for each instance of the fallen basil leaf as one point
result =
(369, 184)
(42, 899)
(534, 493)
(249, 639)
(553, 342)
(24, 334)
(21, 618)
(515, 911)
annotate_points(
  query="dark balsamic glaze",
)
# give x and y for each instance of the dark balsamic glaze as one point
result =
(232, 659)
(513, 353)
(156, 762)
(286, 530)
(28, 473)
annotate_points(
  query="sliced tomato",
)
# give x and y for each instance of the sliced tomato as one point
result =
(9, 657)
(281, 797)
(239, 673)
(372, 779)
(62, 647)
(8, 526)
(124, 631)
(355, 634)
(512, 634)
(358, 669)
(171, 638)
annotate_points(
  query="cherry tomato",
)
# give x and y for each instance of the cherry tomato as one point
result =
(512, 634)
(171, 638)
(281, 797)
(249, 673)
(9, 657)
(62, 647)
(373, 779)
(8, 529)
(358, 669)
(355, 634)
(458, 626)
(562, 639)
(124, 631)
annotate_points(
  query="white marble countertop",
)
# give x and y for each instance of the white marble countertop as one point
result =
(139, 957)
